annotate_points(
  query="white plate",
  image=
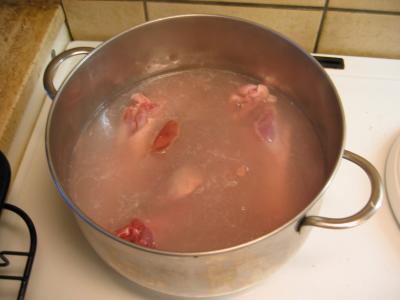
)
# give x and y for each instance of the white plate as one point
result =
(392, 178)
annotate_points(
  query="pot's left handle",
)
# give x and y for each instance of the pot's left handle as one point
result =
(51, 68)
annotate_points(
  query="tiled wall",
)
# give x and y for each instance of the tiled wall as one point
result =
(349, 27)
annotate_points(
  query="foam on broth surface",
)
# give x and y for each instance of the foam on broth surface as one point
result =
(218, 185)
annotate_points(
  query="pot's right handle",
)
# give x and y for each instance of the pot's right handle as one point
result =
(374, 202)
(51, 68)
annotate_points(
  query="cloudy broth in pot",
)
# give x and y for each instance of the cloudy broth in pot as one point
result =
(196, 160)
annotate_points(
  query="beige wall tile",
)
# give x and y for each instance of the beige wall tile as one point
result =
(384, 5)
(282, 2)
(100, 20)
(362, 34)
(299, 25)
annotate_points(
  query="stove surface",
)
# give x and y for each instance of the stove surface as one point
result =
(358, 263)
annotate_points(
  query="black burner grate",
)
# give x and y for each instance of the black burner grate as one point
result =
(5, 176)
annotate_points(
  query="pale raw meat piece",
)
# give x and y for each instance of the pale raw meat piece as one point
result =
(137, 114)
(137, 125)
(277, 139)
(265, 126)
(252, 92)
(248, 97)
(274, 133)
(184, 182)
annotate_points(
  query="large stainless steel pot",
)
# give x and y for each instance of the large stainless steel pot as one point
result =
(193, 41)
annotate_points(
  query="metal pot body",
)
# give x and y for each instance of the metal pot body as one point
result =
(217, 273)
(187, 42)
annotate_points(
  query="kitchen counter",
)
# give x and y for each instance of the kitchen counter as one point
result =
(27, 34)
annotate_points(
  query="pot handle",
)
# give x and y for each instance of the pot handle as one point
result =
(374, 202)
(51, 68)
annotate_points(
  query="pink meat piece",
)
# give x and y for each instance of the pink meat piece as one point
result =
(276, 135)
(250, 96)
(137, 114)
(137, 232)
(167, 135)
(137, 126)
(254, 93)
(265, 126)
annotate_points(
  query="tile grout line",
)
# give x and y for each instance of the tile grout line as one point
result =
(66, 21)
(367, 11)
(146, 11)
(238, 4)
(269, 5)
(321, 24)
(281, 6)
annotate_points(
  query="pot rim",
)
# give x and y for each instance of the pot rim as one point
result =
(97, 227)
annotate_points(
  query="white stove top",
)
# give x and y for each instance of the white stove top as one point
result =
(358, 263)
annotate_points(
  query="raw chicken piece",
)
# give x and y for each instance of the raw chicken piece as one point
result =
(277, 139)
(254, 92)
(265, 126)
(137, 126)
(250, 96)
(275, 134)
(250, 99)
(256, 109)
(137, 114)
(166, 136)
(136, 232)
(184, 182)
